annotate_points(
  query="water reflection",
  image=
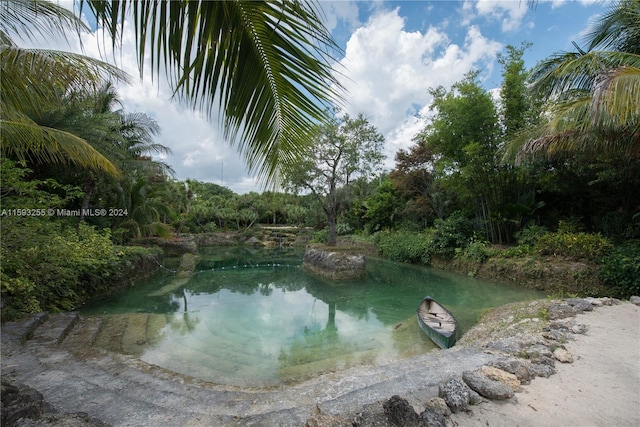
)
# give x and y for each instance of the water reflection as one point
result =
(256, 318)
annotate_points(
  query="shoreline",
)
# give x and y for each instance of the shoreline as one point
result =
(117, 390)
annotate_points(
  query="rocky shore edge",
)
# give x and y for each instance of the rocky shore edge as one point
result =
(526, 338)
(529, 338)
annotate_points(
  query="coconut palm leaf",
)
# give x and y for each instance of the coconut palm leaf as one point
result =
(618, 29)
(36, 80)
(594, 95)
(28, 18)
(264, 65)
(23, 139)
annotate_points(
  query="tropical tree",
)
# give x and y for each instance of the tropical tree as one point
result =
(344, 149)
(594, 93)
(264, 65)
(34, 80)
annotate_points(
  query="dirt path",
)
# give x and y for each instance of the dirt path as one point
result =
(600, 388)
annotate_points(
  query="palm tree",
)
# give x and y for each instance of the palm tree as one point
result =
(265, 65)
(34, 80)
(594, 93)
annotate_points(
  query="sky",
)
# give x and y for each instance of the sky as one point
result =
(393, 53)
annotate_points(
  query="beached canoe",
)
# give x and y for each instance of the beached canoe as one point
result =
(437, 322)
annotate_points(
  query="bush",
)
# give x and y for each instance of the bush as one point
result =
(476, 252)
(620, 270)
(404, 246)
(574, 245)
(46, 266)
(450, 234)
(530, 234)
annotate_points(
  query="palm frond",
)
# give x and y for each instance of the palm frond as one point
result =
(28, 18)
(618, 29)
(35, 77)
(265, 65)
(23, 139)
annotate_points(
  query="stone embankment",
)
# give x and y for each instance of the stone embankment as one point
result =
(60, 370)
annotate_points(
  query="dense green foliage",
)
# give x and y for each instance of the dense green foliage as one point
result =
(404, 246)
(620, 269)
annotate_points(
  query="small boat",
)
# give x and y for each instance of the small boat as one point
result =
(437, 322)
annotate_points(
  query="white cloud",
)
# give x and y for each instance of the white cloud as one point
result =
(511, 13)
(337, 10)
(389, 72)
(558, 3)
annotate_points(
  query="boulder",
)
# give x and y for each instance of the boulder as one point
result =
(334, 265)
(542, 370)
(517, 367)
(635, 300)
(579, 304)
(20, 401)
(438, 404)
(486, 387)
(562, 355)
(431, 417)
(560, 311)
(456, 394)
(400, 413)
(504, 377)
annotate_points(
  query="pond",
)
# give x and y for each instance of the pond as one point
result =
(255, 318)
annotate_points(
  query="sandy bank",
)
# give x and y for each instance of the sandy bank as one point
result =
(600, 388)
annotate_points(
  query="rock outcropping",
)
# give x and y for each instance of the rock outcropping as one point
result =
(334, 265)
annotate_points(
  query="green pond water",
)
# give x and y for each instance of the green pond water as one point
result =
(256, 318)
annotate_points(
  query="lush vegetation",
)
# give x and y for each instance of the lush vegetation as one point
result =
(550, 172)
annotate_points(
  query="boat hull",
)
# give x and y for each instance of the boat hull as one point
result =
(437, 323)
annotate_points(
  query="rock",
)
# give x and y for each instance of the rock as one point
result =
(474, 398)
(562, 355)
(635, 300)
(372, 415)
(542, 370)
(430, 417)
(438, 404)
(579, 304)
(596, 302)
(556, 335)
(456, 394)
(519, 368)
(320, 419)
(504, 377)
(400, 413)
(486, 387)
(369, 419)
(537, 351)
(334, 265)
(560, 311)
(19, 401)
(579, 328)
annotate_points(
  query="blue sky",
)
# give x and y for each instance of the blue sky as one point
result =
(394, 51)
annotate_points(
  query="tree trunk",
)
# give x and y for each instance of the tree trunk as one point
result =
(331, 241)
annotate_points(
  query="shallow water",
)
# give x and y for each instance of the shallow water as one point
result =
(256, 318)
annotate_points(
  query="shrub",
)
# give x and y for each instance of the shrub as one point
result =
(321, 236)
(530, 234)
(46, 266)
(476, 252)
(574, 245)
(404, 246)
(450, 234)
(620, 270)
